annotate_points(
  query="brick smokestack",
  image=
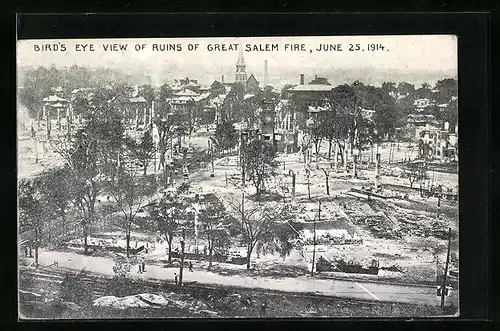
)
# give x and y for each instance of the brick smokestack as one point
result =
(265, 72)
(222, 79)
(301, 79)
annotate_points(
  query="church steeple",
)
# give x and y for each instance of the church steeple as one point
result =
(241, 60)
(241, 75)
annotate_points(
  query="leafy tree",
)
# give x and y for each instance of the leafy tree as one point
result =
(166, 123)
(166, 213)
(320, 80)
(260, 163)
(32, 211)
(446, 89)
(233, 103)
(214, 222)
(451, 113)
(55, 187)
(225, 135)
(406, 88)
(284, 91)
(165, 93)
(142, 151)
(36, 86)
(217, 88)
(147, 92)
(94, 151)
(424, 92)
(386, 118)
(284, 234)
(389, 87)
(130, 196)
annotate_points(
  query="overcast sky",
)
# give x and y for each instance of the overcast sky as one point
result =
(412, 58)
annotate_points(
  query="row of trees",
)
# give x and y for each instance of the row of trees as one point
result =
(267, 228)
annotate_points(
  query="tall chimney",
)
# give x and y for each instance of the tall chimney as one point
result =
(265, 72)
(301, 79)
(222, 79)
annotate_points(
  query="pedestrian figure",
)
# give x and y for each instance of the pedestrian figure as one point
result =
(143, 265)
(190, 267)
(140, 268)
(176, 279)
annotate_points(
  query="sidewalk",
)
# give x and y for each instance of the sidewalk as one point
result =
(338, 288)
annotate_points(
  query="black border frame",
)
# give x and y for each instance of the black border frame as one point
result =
(474, 66)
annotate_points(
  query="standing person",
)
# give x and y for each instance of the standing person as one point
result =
(176, 279)
(140, 268)
(143, 264)
(190, 266)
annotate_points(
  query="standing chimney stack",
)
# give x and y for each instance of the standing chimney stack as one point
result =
(222, 79)
(301, 79)
(265, 72)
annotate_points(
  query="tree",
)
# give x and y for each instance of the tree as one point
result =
(32, 211)
(386, 118)
(217, 88)
(94, 152)
(389, 87)
(285, 94)
(165, 93)
(233, 103)
(320, 80)
(405, 88)
(56, 190)
(214, 222)
(166, 124)
(147, 92)
(416, 172)
(257, 222)
(284, 234)
(447, 88)
(36, 86)
(225, 135)
(451, 113)
(129, 195)
(260, 163)
(142, 151)
(424, 92)
(166, 213)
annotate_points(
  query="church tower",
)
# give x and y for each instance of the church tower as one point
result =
(241, 75)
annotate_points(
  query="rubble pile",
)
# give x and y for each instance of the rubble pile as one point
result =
(233, 302)
(148, 300)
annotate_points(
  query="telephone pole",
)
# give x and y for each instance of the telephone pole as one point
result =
(183, 244)
(443, 286)
(314, 238)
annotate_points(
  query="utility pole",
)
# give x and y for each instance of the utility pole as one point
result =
(183, 244)
(308, 184)
(443, 286)
(314, 238)
(243, 209)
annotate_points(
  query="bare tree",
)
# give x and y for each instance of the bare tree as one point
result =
(257, 221)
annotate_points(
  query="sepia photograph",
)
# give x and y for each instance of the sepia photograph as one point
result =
(249, 177)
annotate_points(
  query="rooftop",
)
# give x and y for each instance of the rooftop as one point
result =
(311, 88)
